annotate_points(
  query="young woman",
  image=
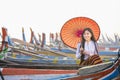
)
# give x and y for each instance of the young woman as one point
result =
(87, 50)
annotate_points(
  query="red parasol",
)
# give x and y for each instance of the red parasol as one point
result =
(72, 30)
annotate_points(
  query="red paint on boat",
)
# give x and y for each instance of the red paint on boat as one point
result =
(113, 49)
(22, 71)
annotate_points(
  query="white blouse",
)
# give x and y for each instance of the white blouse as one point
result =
(89, 48)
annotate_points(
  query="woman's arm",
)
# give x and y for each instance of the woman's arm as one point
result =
(78, 51)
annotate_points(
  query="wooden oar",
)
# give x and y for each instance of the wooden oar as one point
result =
(30, 53)
(32, 45)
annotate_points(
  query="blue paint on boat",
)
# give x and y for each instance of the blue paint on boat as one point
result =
(108, 53)
(112, 75)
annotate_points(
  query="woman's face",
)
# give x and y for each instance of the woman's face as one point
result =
(87, 35)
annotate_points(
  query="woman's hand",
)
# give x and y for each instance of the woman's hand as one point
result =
(86, 52)
(82, 50)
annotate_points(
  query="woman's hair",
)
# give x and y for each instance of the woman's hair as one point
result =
(92, 38)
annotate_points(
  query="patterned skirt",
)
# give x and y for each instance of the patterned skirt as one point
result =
(92, 60)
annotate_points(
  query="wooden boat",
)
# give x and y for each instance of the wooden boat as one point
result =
(104, 71)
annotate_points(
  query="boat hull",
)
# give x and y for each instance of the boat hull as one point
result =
(106, 74)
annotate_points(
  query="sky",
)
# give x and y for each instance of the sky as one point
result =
(50, 15)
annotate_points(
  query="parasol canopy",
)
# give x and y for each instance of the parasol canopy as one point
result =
(71, 31)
